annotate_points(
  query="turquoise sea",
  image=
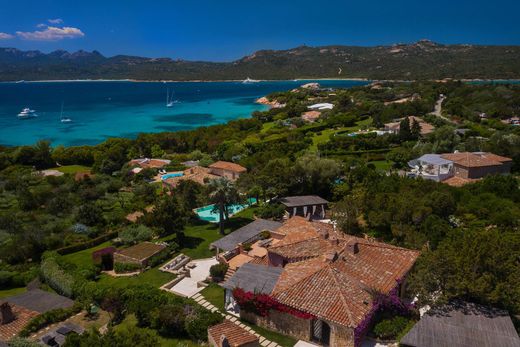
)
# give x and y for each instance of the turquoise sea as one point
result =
(124, 109)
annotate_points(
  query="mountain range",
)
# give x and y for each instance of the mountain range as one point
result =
(421, 60)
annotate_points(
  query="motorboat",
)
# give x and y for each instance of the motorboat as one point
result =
(27, 113)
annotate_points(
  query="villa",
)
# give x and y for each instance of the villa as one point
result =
(395, 126)
(321, 106)
(319, 283)
(309, 205)
(226, 169)
(311, 116)
(459, 168)
(145, 163)
(203, 175)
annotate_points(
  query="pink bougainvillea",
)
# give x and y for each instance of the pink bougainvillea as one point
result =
(261, 304)
(382, 302)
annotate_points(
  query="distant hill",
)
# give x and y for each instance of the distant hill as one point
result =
(422, 60)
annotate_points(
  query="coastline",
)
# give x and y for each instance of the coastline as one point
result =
(259, 81)
(182, 81)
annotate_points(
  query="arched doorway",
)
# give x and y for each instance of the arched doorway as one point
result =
(321, 332)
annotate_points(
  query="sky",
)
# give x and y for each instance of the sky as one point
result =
(225, 30)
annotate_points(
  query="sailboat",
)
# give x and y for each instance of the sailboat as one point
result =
(64, 119)
(169, 98)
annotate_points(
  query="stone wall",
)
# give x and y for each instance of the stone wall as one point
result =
(284, 323)
(341, 336)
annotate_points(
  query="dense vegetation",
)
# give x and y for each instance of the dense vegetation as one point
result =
(469, 236)
(421, 60)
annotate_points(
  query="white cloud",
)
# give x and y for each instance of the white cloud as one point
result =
(55, 21)
(51, 34)
(41, 25)
(5, 36)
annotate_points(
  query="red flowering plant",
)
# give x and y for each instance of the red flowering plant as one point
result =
(261, 304)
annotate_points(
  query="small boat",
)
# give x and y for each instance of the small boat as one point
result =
(27, 113)
(249, 80)
(64, 119)
(169, 98)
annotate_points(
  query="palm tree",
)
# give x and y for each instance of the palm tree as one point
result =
(222, 193)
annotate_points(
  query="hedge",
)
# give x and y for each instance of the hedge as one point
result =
(88, 244)
(127, 267)
(56, 277)
(47, 318)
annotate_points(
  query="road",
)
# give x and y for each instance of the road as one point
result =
(437, 111)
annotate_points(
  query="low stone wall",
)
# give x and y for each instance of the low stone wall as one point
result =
(284, 323)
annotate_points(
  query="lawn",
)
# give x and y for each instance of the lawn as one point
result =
(382, 165)
(130, 323)
(72, 169)
(214, 294)
(199, 235)
(84, 258)
(325, 134)
(10, 292)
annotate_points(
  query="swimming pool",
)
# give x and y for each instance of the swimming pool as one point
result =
(172, 174)
(205, 212)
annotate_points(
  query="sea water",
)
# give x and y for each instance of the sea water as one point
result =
(100, 110)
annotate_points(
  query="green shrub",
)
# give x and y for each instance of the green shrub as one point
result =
(48, 318)
(169, 320)
(88, 244)
(247, 246)
(197, 324)
(275, 211)
(218, 271)
(163, 255)
(264, 235)
(135, 234)
(22, 342)
(390, 328)
(127, 267)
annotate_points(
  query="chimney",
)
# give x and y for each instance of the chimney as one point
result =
(324, 234)
(352, 247)
(6, 313)
(331, 256)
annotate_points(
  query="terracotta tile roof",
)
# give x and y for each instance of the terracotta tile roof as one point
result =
(456, 181)
(197, 174)
(150, 163)
(235, 335)
(338, 273)
(23, 316)
(477, 159)
(225, 165)
(426, 128)
(311, 116)
(305, 239)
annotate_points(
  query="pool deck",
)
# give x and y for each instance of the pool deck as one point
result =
(188, 287)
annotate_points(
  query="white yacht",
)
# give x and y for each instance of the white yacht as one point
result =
(27, 113)
(249, 80)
